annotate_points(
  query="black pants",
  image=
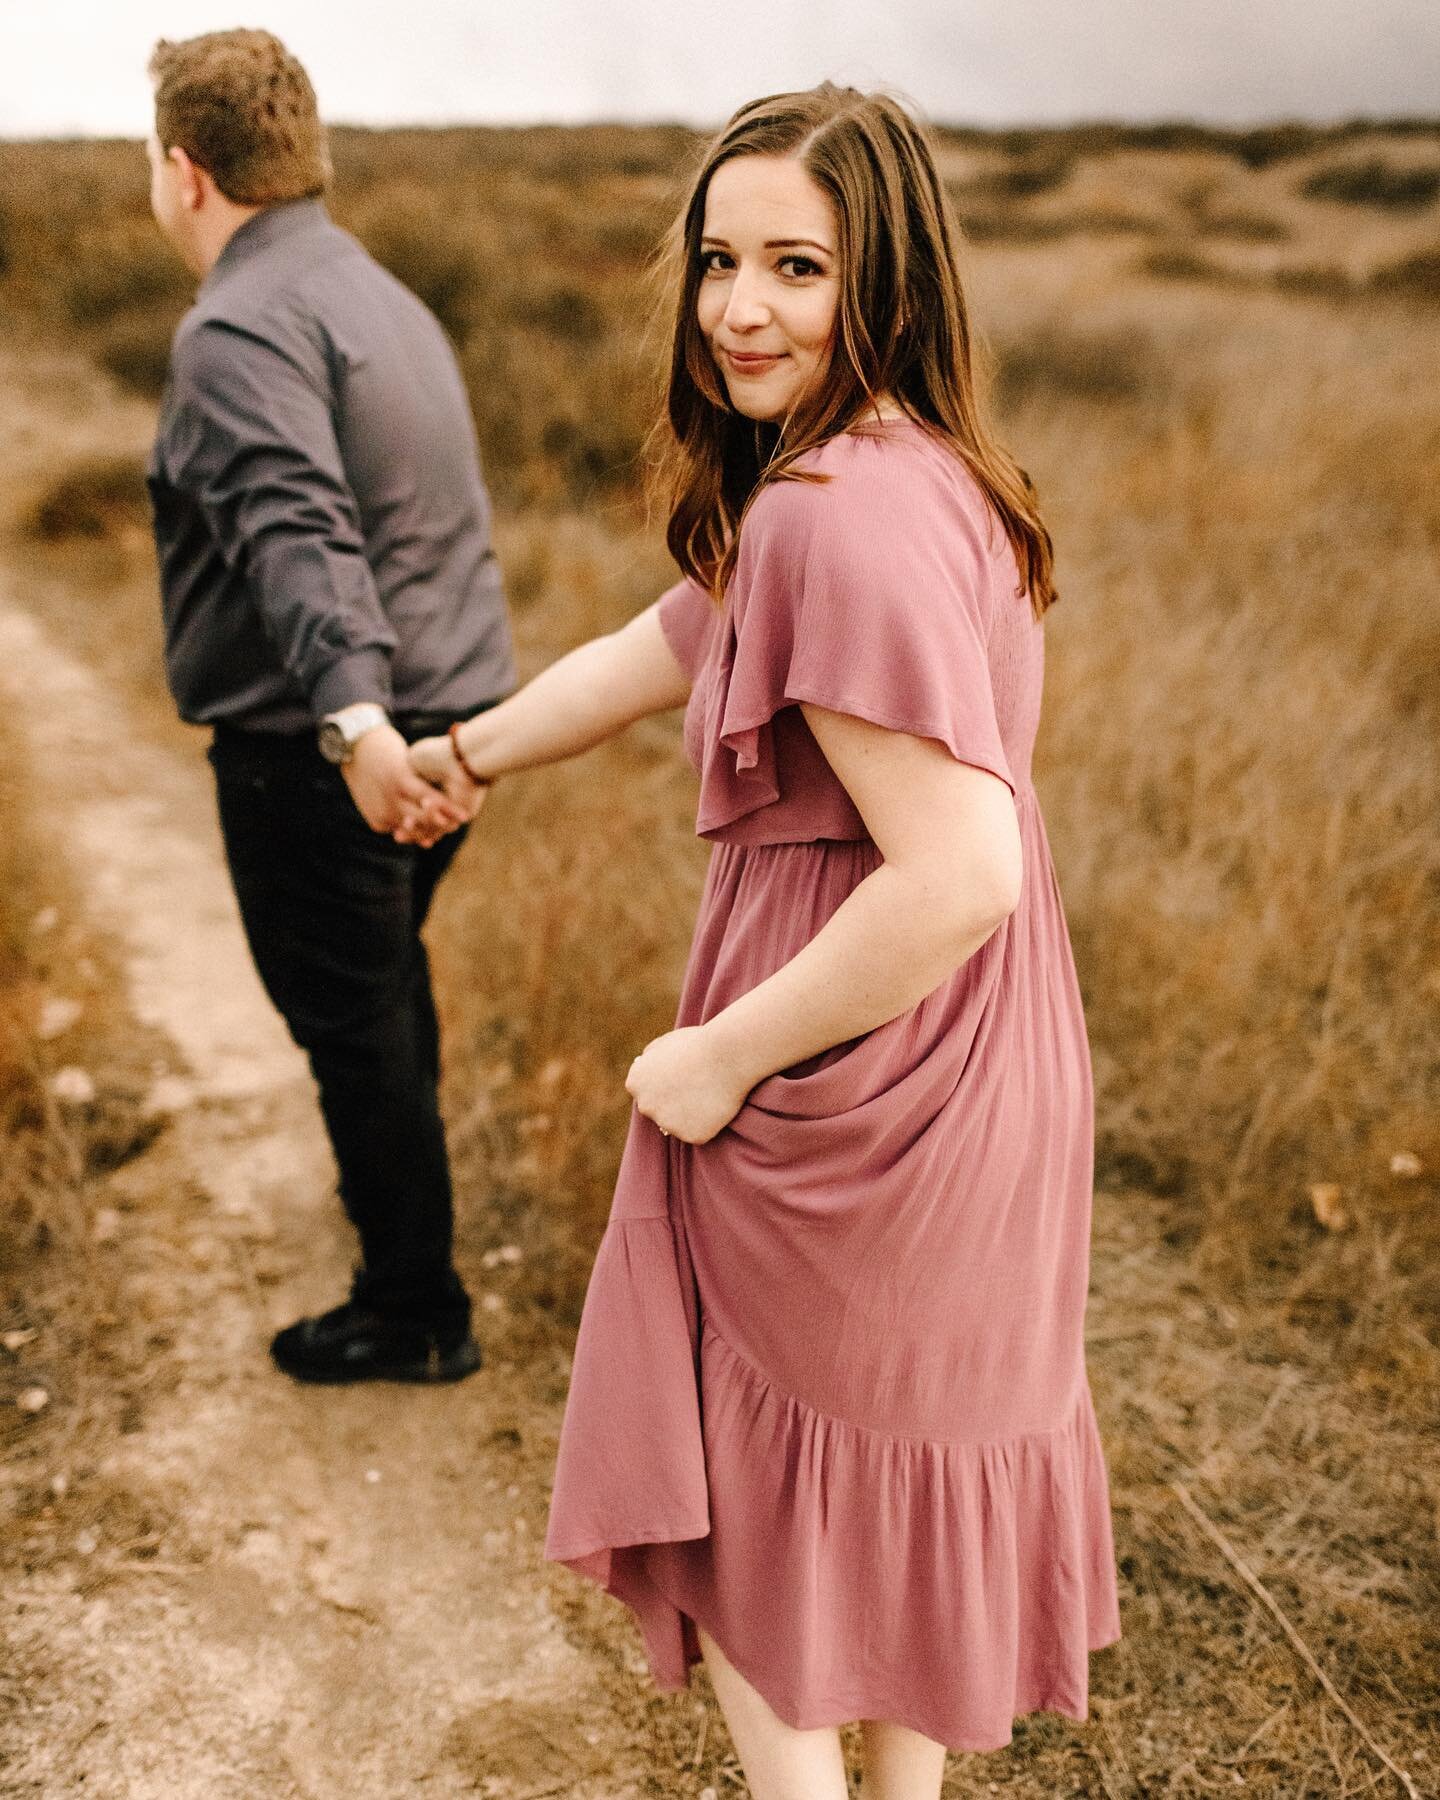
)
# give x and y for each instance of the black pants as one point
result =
(333, 912)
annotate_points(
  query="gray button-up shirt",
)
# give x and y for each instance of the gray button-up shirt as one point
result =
(322, 526)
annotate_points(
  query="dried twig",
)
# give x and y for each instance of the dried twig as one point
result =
(1258, 1587)
(699, 1755)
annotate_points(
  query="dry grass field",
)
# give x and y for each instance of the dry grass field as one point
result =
(1217, 355)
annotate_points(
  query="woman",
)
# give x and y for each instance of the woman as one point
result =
(829, 1426)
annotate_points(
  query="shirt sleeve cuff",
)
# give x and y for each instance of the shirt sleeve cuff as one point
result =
(360, 675)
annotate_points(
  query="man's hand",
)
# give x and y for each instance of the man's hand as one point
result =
(392, 798)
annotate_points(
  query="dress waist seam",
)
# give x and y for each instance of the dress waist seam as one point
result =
(1025, 795)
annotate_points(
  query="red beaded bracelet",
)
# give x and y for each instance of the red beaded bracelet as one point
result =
(479, 780)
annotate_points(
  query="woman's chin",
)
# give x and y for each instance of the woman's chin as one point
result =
(764, 410)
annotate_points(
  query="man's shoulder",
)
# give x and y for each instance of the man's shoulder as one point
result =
(280, 279)
(279, 300)
(301, 292)
(217, 335)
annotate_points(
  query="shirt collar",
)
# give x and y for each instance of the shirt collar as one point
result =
(271, 225)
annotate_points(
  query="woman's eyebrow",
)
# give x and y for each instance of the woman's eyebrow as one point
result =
(720, 243)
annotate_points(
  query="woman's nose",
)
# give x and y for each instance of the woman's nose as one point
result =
(746, 307)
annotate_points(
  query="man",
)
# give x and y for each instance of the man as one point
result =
(330, 594)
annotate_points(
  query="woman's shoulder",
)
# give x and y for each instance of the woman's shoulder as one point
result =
(868, 485)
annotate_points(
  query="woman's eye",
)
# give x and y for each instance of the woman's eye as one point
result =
(713, 262)
(801, 265)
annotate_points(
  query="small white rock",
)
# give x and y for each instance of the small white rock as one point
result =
(32, 1400)
(60, 1485)
(87, 1542)
(1406, 1163)
(72, 1085)
(57, 1015)
(169, 1094)
(372, 1476)
(492, 1303)
(105, 1227)
(17, 1340)
(45, 920)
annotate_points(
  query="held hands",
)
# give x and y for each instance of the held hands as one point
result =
(687, 1085)
(433, 761)
(393, 798)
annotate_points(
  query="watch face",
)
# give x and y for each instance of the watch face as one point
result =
(333, 745)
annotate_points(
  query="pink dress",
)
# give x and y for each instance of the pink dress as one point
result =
(829, 1395)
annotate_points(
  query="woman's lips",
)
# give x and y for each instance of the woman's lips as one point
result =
(748, 362)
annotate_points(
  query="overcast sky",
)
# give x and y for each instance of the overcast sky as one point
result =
(76, 66)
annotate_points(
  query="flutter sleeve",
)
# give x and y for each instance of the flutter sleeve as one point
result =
(870, 594)
(687, 617)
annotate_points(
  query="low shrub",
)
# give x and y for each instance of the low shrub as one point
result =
(995, 227)
(1017, 180)
(1172, 262)
(1053, 363)
(1243, 227)
(1316, 281)
(125, 268)
(135, 349)
(1010, 228)
(1411, 278)
(99, 497)
(1374, 182)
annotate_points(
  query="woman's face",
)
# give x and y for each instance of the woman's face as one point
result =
(770, 286)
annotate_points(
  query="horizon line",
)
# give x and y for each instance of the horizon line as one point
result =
(1409, 123)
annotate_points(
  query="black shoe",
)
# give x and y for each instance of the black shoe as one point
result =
(351, 1343)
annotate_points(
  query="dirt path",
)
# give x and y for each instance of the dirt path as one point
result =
(299, 1594)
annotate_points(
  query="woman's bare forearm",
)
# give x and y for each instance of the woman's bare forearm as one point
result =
(892, 941)
(583, 698)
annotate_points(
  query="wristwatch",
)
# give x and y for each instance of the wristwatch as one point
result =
(341, 731)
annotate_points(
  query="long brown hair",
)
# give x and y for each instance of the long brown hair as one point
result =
(901, 329)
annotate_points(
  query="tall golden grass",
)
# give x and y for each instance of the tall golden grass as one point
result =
(1238, 755)
(1236, 449)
